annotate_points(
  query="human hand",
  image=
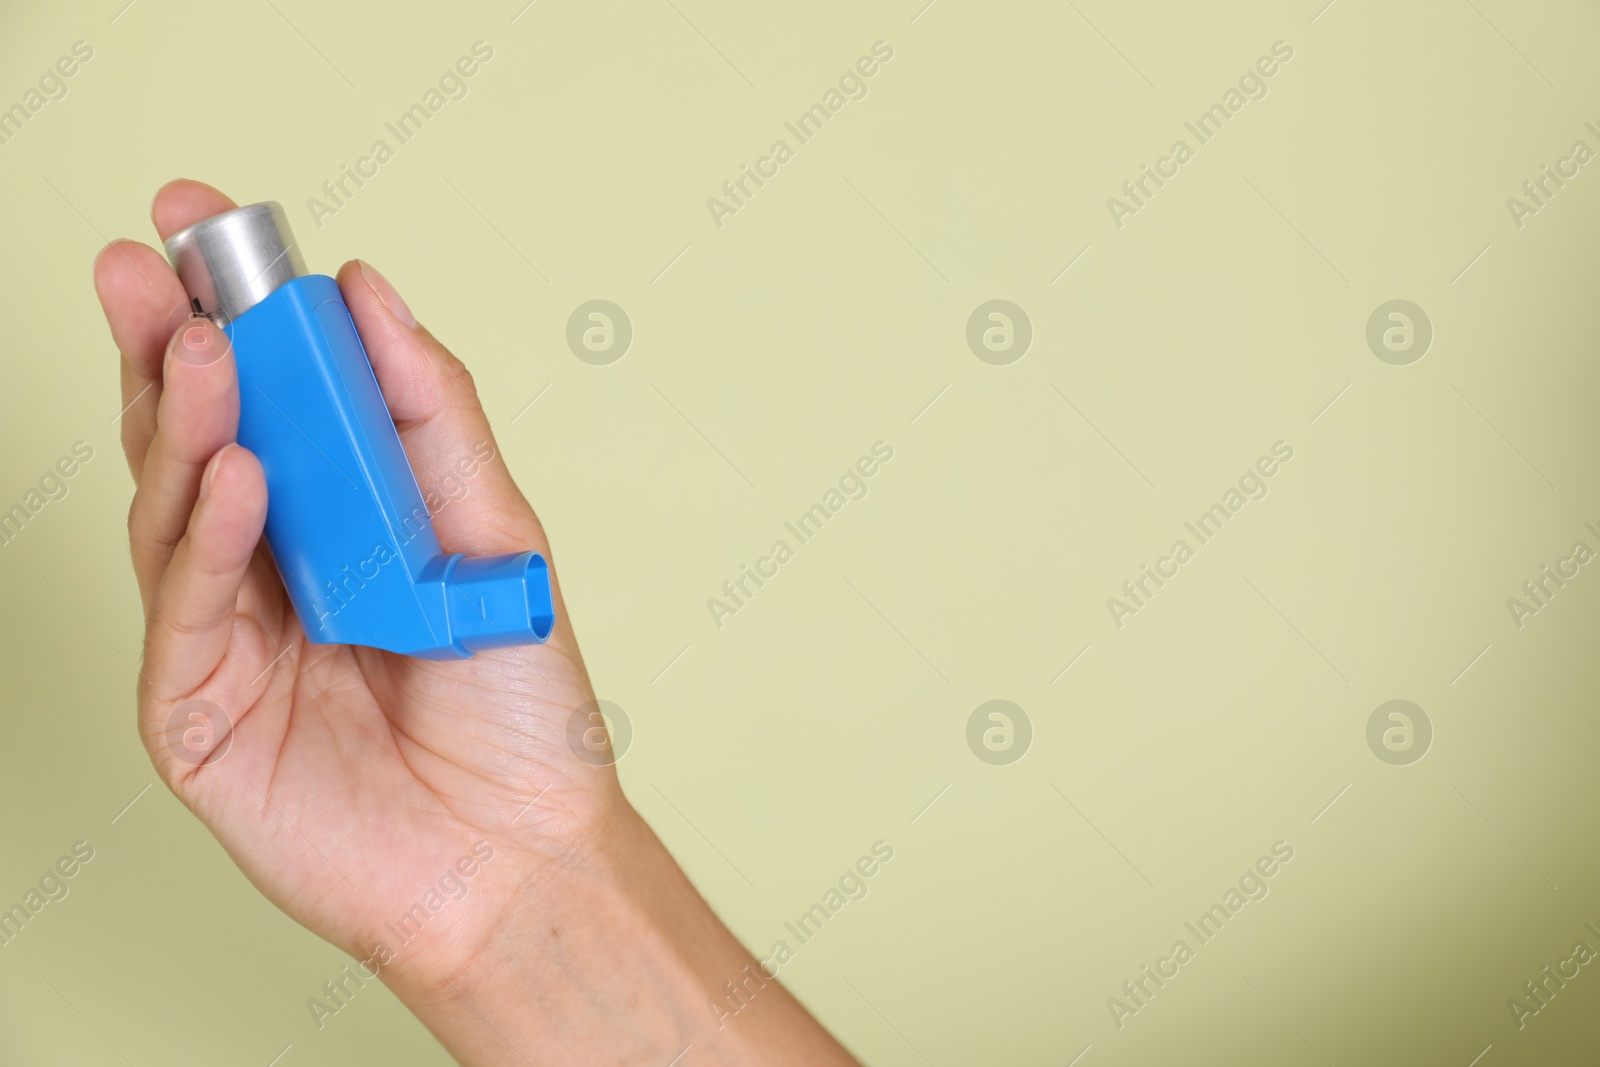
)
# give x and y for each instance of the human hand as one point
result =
(351, 784)
(344, 781)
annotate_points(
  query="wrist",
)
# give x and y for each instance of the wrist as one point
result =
(574, 958)
(608, 953)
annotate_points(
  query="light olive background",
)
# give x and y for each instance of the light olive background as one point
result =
(768, 354)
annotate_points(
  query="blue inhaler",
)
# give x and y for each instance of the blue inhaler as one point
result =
(346, 521)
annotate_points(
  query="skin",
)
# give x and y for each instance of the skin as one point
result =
(347, 782)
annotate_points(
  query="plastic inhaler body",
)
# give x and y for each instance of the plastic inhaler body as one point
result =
(346, 521)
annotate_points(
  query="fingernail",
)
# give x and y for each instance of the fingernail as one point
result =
(391, 299)
(211, 472)
(199, 343)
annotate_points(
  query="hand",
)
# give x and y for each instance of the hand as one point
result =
(352, 785)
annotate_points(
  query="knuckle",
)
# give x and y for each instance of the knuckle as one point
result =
(146, 531)
(454, 374)
(169, 622)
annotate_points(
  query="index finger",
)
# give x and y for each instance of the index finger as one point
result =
(144, 303)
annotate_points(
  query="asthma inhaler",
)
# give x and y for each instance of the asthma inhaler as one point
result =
(346, 521)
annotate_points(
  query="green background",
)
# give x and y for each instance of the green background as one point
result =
(768, 354)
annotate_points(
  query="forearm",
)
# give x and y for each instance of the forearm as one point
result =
(612, 956)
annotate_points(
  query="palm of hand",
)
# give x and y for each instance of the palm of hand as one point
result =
(357, 789)
(359, 781)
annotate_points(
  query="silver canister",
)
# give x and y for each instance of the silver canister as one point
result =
(231, 262)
